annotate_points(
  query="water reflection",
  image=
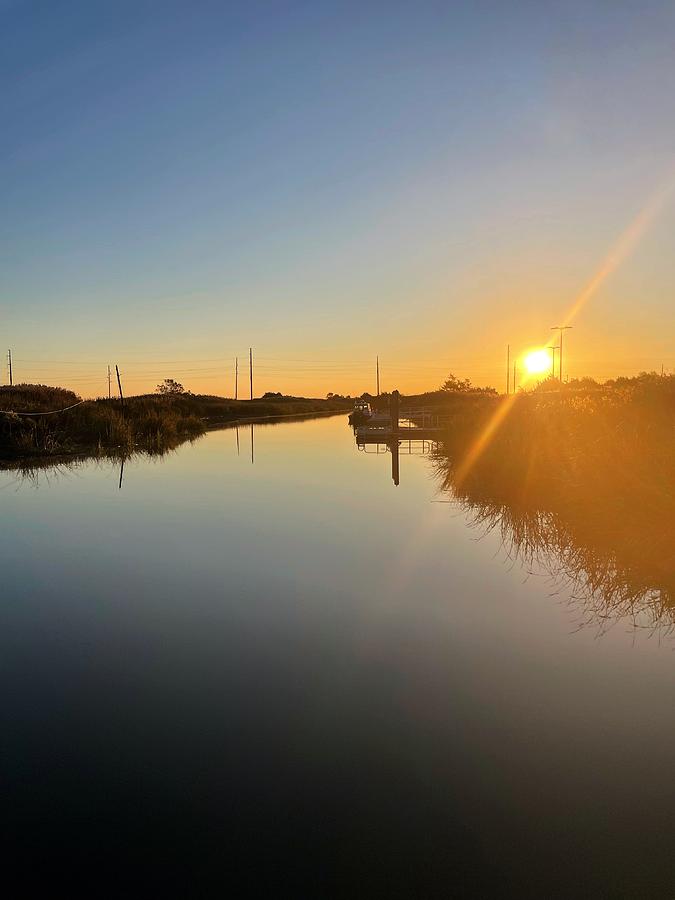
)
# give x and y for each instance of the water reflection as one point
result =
(613, 568)
(297, 671)
(612, 557)
(30, 468)
(35, 469)
(398, 448)
(236, 429)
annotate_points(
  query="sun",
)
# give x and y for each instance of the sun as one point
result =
(537, 361)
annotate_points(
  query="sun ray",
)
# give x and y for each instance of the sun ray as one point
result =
(623, 247)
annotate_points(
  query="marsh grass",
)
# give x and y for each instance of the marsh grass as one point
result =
(581, 484)
(95, 425)
(151, 422)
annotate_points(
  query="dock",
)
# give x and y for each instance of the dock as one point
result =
(416, 424)
(398, 428)
(368, 434)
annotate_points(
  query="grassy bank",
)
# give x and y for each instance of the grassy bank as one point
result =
(583, 478)
(151, 422)
(603, 437)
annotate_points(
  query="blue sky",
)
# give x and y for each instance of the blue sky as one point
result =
(329, 181)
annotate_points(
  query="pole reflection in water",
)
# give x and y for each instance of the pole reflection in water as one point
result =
(394, 447)
(411, 447)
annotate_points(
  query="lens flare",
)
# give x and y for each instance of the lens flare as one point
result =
(623, 247)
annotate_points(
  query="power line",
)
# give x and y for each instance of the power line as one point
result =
(51, 412)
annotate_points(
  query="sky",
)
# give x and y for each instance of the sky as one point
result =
(328, 182)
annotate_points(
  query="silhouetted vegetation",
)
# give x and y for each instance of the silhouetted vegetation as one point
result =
(151, 422)
(453, 384)
(443, 401)
(171, 387)
(581, 481)
(148, 422)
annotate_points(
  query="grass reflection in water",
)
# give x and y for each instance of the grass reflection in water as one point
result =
(583, 490)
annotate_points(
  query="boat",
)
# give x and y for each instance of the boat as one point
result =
(361, 412)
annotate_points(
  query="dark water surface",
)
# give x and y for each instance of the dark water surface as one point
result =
(293, 678)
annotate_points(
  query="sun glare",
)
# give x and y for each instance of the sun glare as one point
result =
(537, 361)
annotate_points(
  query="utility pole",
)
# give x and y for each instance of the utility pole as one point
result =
(508, 367)
(236, 378)
(9, 365)
(119, 384)
(561, 328)
(250, 368)
(514, 377)
(377, 366)
(109, 391)
(553, 348)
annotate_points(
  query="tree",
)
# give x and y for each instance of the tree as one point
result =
(171, 387)
(452, 383)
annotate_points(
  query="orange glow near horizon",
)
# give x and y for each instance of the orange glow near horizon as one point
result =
(410, 360)
(624, 246)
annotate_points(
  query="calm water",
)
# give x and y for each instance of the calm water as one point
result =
(293, 677)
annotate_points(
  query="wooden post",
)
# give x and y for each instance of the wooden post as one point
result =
(508, 367)
(250, 368)
(394, 410)
(9, 360)
(236, 378)
(119, 385)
